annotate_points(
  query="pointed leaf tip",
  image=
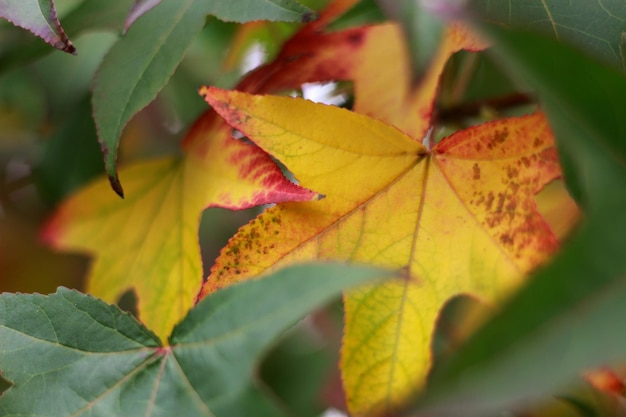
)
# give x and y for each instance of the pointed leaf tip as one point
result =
(116, 185)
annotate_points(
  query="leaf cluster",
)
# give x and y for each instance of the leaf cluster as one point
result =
(475, 148)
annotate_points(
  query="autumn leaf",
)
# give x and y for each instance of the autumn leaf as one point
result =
(317, 55)
(356, 54)
(148, 242)
(460, 217)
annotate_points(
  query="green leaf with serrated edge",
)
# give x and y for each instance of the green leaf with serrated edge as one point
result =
(595, 27)
(137, 67)
(140, 64)
(89, 16)
(102, 362)
(40, 18)
(570, 316)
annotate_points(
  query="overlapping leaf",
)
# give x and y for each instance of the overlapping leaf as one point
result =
(148, 242)
(139, 65)
(460, 217)
(102, 362)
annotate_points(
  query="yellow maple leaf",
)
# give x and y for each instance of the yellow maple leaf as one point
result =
(149, 241)
(460, 217)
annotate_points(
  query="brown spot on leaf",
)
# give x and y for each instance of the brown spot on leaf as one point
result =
(500, 135)
(476, 171)
(500, 205)
(525, 161)
(489, 201)
(506, 239)
(511, 206)
(512, 172)
(497, 138)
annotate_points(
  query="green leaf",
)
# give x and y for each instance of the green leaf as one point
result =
(102, 362)
(38, 17)
(141, 63)
(97, 16)
(274, 10)
(139, 8)
(570, 316)
(595, 27)
(137, 67)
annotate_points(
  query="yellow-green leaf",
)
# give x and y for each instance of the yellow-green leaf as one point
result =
(148, 242)
(460, 218)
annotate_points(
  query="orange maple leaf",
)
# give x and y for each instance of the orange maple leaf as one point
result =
(460, 217)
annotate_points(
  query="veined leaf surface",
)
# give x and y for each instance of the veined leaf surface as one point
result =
(460, 218)
(105, 363)
(149, 241)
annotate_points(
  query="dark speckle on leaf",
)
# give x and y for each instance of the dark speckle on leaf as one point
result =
(476, 170)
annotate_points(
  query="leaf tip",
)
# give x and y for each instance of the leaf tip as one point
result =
(203, 91)
(116, 185)
(209, 93)
(69, 48)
